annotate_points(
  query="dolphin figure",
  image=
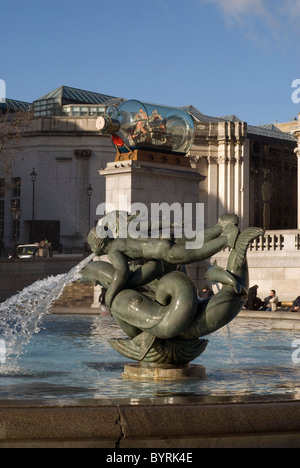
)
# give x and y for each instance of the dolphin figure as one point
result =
(176, 320)
(160, 311)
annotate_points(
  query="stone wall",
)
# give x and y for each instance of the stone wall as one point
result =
(76, 295)
(15, 275)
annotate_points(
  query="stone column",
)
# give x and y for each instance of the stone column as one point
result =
(213, 192)
(298, 197)
(223, 167)
(231, 184)
(222, 208)
(239, 182)
(297, 151)
(245, 184)
(231, 167)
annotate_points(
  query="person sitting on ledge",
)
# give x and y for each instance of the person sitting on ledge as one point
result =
(271, 302)
(296, 305)
(253, 302)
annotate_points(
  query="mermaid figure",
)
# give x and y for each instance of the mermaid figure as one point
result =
(156, 304)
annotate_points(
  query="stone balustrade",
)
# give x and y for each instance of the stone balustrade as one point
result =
(274, 263)
(277, 241)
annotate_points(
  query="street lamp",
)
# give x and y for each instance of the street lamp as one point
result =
(16, 212)
(33, 176)
(90, 193)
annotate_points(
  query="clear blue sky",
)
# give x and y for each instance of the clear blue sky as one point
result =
(222, 56)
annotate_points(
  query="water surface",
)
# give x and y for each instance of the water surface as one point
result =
(70, 358)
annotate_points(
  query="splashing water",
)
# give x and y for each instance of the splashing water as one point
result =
(21, 314)
(229, 339)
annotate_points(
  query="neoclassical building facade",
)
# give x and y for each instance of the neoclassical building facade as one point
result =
(251, 171)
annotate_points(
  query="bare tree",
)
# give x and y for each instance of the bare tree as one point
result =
(13, 128)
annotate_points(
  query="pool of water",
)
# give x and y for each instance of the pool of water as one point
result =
(71, 358)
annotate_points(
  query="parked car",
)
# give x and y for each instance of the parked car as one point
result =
(27, 251)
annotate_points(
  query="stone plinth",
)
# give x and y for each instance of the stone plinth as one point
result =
(145, 182)
(143, 372)
(132, 181)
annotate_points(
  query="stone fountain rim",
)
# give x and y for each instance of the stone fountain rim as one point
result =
(164, 400)
(186, 422)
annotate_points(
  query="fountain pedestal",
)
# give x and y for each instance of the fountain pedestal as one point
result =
(147, 372)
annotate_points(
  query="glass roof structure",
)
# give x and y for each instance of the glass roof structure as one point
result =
(269, 131)
(70, 95)
(51, 103)
(11, 105)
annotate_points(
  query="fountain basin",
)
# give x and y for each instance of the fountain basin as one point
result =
(67, 391)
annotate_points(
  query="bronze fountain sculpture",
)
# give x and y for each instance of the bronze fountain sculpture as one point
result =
(149, 293)
(152, 298)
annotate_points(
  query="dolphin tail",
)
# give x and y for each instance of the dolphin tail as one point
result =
(145, 342)
(235, 274)
(243, 242)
